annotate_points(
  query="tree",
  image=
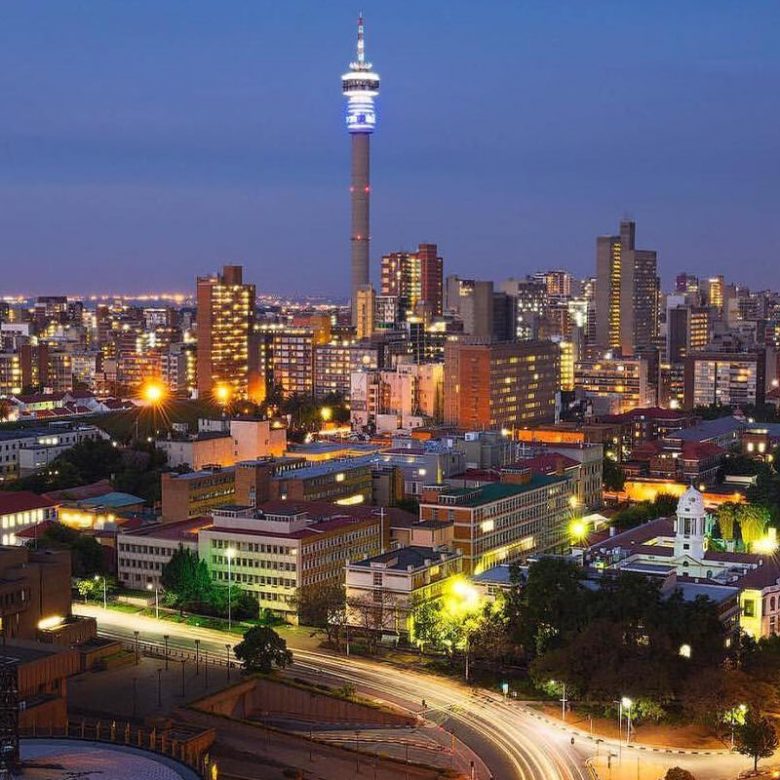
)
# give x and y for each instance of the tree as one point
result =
(187, 578)
(551, 605)
(374, 614)
(612, 475)
(727, 518)
(262, 649)
(678, 773)
(86, 553)
(317, 606)
(752, 522)
(756, 737)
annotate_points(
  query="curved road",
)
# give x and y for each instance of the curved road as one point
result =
(513, 745)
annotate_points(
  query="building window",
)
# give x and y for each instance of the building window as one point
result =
(749, 608)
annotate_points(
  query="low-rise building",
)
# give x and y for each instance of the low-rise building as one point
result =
(502, 521)
(224, 444)
(383, 590)
(142, 552)
(196, 493)
(22, 509)
(275, 548)
(27, 450)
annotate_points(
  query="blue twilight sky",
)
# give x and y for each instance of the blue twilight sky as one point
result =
(145, 142)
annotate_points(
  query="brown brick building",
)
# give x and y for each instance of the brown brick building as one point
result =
(500, 385)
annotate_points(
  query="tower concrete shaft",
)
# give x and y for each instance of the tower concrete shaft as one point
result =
(361, 197)
(360, 85)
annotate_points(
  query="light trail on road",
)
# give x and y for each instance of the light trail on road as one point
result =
(514, 745)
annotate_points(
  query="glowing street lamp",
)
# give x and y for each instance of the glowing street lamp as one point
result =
(578, 530)
(153, 392)
(229, 554)
(149, 586)
(105, 600)
(563, 698)
(326, 413)
(627, 704)
(222, 393)
(685, 651)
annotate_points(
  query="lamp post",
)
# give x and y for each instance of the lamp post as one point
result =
(627, 705)
(165, 638)
(563, 699)
(227, 659)
(150, 587)
(105, 599)
(229, 554)
(197, 657)
(137, 655)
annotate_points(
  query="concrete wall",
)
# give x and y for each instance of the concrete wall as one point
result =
(262, 697)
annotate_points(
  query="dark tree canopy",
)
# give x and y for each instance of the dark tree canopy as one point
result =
(262, 649)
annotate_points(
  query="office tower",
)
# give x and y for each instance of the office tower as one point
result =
(716, 292)
(472, 301)
(687, 329)
(500, 385)
(557, 283)
(532, 303)
(335, 363)
(360, 86)
(627, 293)
(414, 278)
(366, 310)
(226, 314)
(686, 283)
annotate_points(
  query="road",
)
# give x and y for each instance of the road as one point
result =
(512, 744)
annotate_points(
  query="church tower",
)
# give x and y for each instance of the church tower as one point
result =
(691, 525)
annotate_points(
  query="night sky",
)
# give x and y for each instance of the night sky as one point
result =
(145, 142)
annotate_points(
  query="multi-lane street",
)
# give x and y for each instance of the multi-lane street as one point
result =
(510, 742)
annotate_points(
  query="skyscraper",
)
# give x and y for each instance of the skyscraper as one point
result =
(627, 293)
(226, 313)
(360, 86)
(414, 277)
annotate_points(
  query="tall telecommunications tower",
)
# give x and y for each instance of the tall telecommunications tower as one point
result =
(360, 86)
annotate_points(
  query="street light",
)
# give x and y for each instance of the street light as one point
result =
(627, 704)
(150, 587)
(685, 651)
(563, 698)
(229, 554)
(105, 600)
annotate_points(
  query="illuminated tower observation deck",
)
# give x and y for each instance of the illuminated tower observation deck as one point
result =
(360, 86)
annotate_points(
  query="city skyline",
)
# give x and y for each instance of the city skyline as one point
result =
(115, 176)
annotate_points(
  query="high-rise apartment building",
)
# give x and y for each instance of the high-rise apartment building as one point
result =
(627, 293)
(500, 384)
(226, 315)
(725, 379)
(414, 278)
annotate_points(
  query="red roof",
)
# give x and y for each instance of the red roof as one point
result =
(35, 531)
(693, 450)
(547, 463)
(80, 492)
(21, 501)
